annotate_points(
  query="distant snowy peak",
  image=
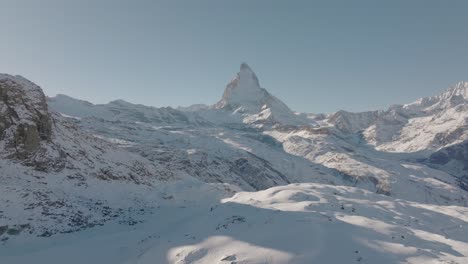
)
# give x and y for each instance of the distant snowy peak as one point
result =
(453, 96)
(243, 90)
(243, 95)
(460, 89)
(429, 123)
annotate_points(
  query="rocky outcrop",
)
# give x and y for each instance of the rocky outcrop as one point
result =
(454, 160)
(24, 119)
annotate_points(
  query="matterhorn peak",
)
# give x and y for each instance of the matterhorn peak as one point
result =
(246, 74)
(244, 88)
(245, 66)
(243, 95)
(246, 78)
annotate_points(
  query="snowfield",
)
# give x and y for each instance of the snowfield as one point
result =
(297, 223)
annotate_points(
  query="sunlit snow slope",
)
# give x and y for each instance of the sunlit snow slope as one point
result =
(298, 223)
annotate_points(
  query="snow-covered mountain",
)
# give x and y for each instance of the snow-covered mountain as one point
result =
(160, 181)
(244, 96)
(122, 110)
(427, 124)
(245, 101)
(49, 166)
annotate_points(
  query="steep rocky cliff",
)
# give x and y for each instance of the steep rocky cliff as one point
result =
(25, 123)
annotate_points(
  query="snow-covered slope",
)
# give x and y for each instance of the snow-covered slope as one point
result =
(299, 223)
(158, 185)
(49, 166)
(192, 149)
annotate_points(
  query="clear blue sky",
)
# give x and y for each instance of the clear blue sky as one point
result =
(315, 56)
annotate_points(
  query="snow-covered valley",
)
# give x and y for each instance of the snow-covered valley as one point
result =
(245, 180)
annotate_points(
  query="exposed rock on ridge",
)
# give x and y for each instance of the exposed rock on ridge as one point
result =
(24, 118)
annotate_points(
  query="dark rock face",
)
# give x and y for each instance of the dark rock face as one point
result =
(24, 118)
(258, 173)
(457, 152)
(454, 160)
(447, 138)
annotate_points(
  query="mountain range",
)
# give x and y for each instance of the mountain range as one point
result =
(245, 180)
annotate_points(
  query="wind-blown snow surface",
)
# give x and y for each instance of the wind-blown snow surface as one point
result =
(298, 223)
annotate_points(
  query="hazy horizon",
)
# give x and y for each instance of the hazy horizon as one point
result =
(210, 104)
